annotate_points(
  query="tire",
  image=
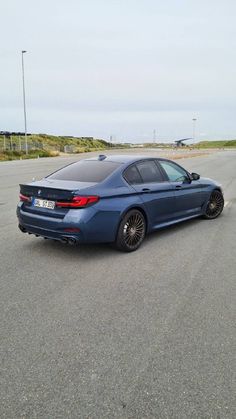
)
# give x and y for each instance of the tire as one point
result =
(131, 232)
(215, 205)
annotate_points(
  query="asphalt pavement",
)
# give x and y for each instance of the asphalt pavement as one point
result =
(88, 332)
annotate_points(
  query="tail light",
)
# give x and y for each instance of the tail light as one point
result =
(78, 202)
(24, 198)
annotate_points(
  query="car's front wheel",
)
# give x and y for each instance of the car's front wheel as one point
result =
(215, 205)
(131, 231)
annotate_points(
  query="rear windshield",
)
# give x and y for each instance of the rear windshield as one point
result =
(86, 171)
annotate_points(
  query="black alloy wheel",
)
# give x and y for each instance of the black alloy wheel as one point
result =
(215, 205)
(131, 231)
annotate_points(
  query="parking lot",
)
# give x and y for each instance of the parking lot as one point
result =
(88, 332)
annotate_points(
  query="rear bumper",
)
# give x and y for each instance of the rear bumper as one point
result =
(50, 234)
(94, 227)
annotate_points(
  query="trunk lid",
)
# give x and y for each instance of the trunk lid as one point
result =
(52, 190)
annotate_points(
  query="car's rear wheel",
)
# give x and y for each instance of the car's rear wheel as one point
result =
(131, 231)
(215, 205)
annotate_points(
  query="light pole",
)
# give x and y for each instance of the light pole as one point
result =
(154, 136)
(194, 128)
(23, 81)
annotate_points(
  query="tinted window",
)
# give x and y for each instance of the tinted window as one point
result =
(132, 175)
(174, 172)
(149, 171)
(86, 171)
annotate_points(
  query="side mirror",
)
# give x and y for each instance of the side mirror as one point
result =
(195, 176)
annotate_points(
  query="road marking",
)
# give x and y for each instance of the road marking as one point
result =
(226, 203)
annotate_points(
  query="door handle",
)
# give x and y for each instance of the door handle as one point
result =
(146, 190)
(178, 187)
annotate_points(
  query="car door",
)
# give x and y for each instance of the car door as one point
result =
(157, 194)
(188, 192)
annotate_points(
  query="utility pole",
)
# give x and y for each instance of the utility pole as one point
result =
(23, 83)
(154, 135)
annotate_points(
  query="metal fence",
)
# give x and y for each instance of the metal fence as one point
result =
(15, 143)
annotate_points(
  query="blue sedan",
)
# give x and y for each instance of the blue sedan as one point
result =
(115, 199)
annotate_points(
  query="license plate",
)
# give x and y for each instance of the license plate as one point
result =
(44, 203)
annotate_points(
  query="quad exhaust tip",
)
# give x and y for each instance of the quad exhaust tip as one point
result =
(69, 240)
(65, 239)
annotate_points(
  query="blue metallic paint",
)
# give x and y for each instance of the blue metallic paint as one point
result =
(163, 204)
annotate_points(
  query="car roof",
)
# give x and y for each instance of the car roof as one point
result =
(119, 158)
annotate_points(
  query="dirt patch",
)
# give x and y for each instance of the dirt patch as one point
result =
(186, 155)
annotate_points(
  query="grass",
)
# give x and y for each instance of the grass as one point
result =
(216, 144)
(33, 154)
(43, 145)
(200, 145)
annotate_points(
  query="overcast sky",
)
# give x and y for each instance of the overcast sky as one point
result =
(120, 67)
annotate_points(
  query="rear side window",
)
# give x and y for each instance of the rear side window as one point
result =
(86, 171)
(132, 175)
(149, 171)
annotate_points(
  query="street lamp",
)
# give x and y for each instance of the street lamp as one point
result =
(194, 128)
(154, 136)
(23, 81)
